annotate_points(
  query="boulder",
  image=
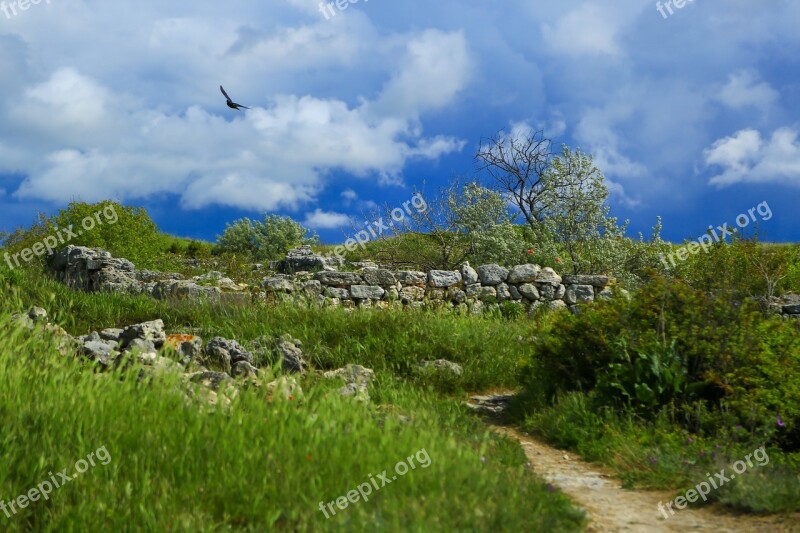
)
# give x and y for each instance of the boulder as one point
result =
(548, 276)
(338, 279)
(188, 347)
(243, 369)
(150, 331)
(356, 380)
(529, 291)
(379, 277)
(184, 290)
(443, 278)
(312, 287)
(468, 274)
(492, 274)
(291, 355)
(473, 290)
(366, 292)
(523, 274)
(503, 293)
(593, 280)
(278, 284)
(412, 294)
(579, 294)
(487, 293)
(412, 277)
(336, 292)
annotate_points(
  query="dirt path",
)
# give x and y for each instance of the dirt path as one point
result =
(611, 508)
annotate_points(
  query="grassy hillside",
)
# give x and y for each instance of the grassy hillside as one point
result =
(264, 464)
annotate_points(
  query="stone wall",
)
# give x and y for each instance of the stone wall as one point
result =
(467, 289)
(488, 286)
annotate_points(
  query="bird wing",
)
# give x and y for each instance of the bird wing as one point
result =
(226, 94)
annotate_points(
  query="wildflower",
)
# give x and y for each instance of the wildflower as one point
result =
(558, 259)
(653, 460)
(551, 487)
(530, 251)
(780, 421)
(690, 440)
(483, 459)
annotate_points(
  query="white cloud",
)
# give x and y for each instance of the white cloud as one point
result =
(743, 89)
(748, 158)
(103, 144)
(598, 129)
(590, 29)
(437, 66)
(320, 219)
(349, 196)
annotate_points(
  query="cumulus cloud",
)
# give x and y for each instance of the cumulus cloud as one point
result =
(436, 68)
(746, 157)
(102, 143)
(320, 219)
(348, 196)
(590, 29)
(744, 89)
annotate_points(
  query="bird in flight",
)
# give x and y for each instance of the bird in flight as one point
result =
(231, 103)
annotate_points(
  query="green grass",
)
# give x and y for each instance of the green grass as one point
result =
(661, 455)
(266, 465)
(392, 341)
(257, 467)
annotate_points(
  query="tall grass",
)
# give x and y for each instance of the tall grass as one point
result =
(392, 341)
(258, 466)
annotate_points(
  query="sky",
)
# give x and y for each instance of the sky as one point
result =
(691, 113)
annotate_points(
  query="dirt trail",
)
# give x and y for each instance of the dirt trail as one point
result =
(611, 508)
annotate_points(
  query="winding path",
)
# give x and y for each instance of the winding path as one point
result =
(609, 507)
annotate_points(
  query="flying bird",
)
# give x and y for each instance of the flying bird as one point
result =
(231, 103)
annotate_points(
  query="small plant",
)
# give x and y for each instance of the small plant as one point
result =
(645, 380)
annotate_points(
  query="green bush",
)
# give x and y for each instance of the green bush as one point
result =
(124, 231)
(743, 267)
(671, 343)
(267, 240)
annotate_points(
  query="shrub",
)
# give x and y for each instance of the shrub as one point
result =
(745, 267)
(124, 231)
(267, 240)
(672, 343)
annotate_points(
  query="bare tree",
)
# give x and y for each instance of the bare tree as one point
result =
(518, 164)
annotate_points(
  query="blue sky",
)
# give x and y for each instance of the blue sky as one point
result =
(693, 117)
